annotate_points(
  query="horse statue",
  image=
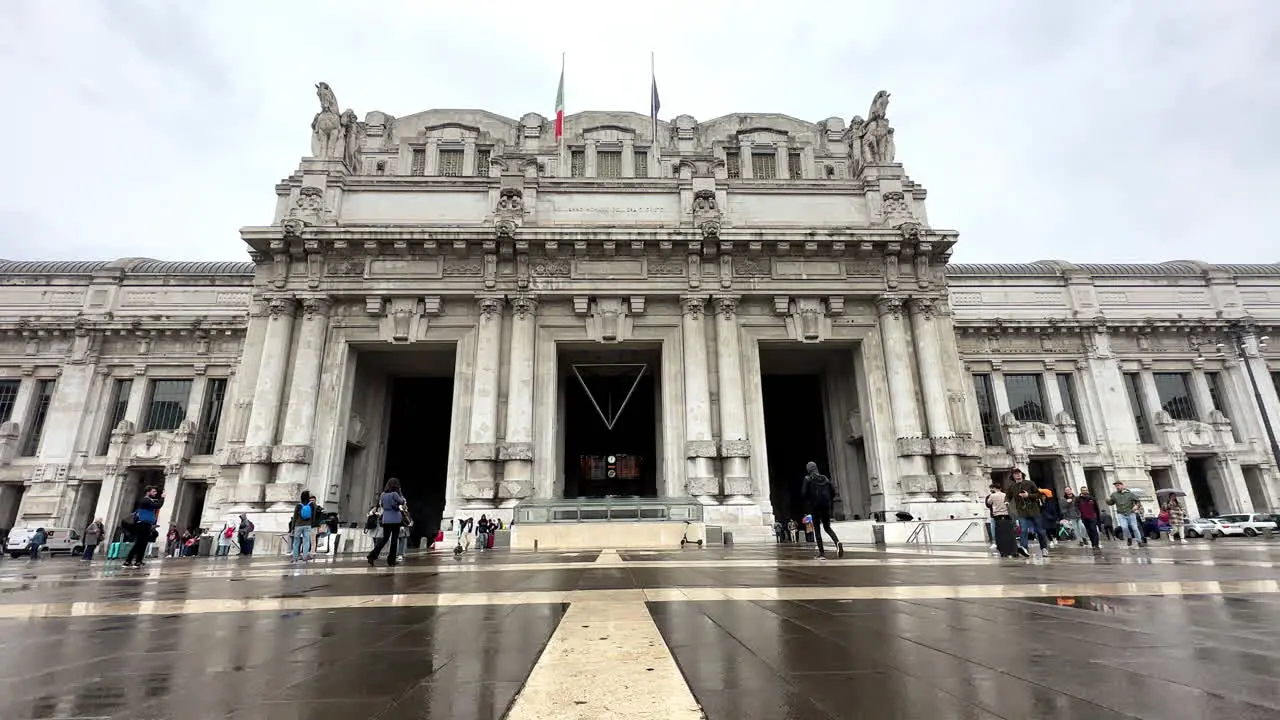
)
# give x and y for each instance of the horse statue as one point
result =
(326, 126)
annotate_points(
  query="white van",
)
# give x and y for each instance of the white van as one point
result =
(57, 540)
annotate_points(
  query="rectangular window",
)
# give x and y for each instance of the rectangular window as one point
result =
(764, 166)
(1133, 384)
(732, 168)
(608, 164)
(210, 415)
(44, 396)
(642, 164)
(116, 408)
(451, 163)
(8, 398)
(167, 407)
(1174, 391)
(1026, 397)
(577, 163)
(794, 168)
(418, 163)
(483, 155)
(1067, 389)
(984, 394)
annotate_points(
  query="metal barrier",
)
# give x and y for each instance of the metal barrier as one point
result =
(980, 525)
(921, 535)
(617, 509)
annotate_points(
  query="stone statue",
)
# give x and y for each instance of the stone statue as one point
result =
(326, 126)
(353, 135)
(875, 137)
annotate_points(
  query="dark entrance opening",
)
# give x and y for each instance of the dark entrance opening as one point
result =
(795, 433)
(1042, 472)
(192, 506)
(610, 425)
(418, 448)
(1198, 470)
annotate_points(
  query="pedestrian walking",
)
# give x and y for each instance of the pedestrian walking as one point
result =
(1090, 514)
(482, 533)
(93, 535)
(1026, 500)
(38, 539)
(1071, 515)
(1177, 521)
(244, 534)
(1003, 530)
(819, 495)
(1127, 508)
(393, 504)
(306, 517)
(144, 524)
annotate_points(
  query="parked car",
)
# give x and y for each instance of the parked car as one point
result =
(1204, 527)
(57, 540)
(1250, 525)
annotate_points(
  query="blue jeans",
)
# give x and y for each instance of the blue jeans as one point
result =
(301, 541)
(1032, 524)
(1130, 521)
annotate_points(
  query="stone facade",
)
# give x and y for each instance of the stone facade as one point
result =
(483, 243)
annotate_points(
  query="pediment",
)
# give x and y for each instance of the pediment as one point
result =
(451, 131)
(609, 133)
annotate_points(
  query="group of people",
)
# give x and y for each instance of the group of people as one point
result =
(481, 532)
(1019, 509)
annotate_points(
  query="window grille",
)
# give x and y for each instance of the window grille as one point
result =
(8, 397)
(577, 163)
(115, 411)
(482, 162)
(1026, 397)
(764, 166)
(794, 168)
(642, 164)
(451, 163)
(1174, 391)
(609, 164)
(210, 415)
(167, 407)
(44, 396)
(418, 164)
(731, 165)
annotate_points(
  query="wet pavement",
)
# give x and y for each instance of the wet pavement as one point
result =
(748, 632)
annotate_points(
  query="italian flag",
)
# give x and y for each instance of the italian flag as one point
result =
(560, 103)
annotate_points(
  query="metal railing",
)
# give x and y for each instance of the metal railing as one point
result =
(613, 509)
(970, 526)
(922, 535)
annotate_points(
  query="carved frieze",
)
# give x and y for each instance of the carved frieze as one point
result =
(749, 267)
(699, 449)
(345, 267)
(735, 448)
(515, 451)
(666, 268)
(460, 267)
(479, 451)
(550, 267)
(914, 446)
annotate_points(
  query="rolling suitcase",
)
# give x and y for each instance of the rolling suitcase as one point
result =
(117, 550)
(1006, 536)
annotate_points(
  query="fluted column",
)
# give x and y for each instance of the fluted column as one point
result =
(699, 448)
(735, 448)
(481, 450)
(304, 390)
(516, 450)
(912, 447)
(933, 388)
(268, 392)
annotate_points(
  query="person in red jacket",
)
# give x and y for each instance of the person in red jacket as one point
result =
(1090, 513)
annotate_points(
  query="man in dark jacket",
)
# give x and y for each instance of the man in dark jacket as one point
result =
(144, 522)
(820, 496)
(1090, 514)
(1025, 502)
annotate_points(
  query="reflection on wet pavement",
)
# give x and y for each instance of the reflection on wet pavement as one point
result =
(750, 632)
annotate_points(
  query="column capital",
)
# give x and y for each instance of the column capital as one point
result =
(922, 307)
(489, 305)
(693, 306)
(523, 306)
(726, 305)
(316, 306)
(889, 305)
(281, 305)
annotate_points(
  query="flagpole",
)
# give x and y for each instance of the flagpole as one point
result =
(653, 84)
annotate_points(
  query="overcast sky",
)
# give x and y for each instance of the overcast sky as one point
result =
(1088, 131)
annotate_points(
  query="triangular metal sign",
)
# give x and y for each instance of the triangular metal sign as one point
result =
(610, 418)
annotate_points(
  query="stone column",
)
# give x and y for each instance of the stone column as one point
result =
(628, 158)
(589, 160)
(912, 447)
(699, 448)
(433, 157)
(933, 386)
(481, 448)
(782, 159)
(744, 160)
(735, 448)
(516, 450)
(469, 158)
(297, 441)
(268, 393)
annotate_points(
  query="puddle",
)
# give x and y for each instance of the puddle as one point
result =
(1080, 602)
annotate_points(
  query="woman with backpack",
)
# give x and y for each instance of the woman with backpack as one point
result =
(393, 504)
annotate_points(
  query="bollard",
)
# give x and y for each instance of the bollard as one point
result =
(535, 545)
(877, 535)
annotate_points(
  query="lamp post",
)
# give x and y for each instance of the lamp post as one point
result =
(1239, 338)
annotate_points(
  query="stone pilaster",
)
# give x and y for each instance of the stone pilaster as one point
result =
(304, 389)
(735, 448)
(481, 448)
(267, 396)
(699, 448)
(913, 448)
(933, 387)
(516, 451)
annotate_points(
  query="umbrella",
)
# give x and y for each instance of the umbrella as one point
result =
(1170, 492)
